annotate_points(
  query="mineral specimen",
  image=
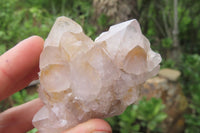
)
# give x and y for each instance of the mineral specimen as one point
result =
(83, 79)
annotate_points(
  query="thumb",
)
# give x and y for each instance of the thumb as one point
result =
(91, 126)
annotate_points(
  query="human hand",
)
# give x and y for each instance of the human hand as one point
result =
(18, 67)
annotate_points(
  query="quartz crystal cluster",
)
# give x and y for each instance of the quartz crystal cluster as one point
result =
(83, 79)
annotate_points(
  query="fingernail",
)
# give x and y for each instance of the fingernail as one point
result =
(101, 132)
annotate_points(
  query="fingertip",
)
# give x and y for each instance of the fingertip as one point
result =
(38, 41)
(100, 125)
(91, 126)
(38, 38)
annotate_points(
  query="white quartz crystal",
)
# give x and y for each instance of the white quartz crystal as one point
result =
(83, 79)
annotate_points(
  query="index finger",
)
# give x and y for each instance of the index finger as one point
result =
(19, 65)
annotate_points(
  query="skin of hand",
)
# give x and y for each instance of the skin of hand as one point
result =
(18, 67)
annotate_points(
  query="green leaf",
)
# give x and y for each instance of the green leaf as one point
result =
(160, 117)
(152, 125)
(136, 127)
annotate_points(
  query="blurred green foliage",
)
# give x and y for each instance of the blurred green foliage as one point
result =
(20, 19)
(142, 117)
(191, 85)
(22, 97)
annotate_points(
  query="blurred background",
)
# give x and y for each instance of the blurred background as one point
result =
(172, 27)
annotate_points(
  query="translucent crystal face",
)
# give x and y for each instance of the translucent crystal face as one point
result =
(83, 79)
